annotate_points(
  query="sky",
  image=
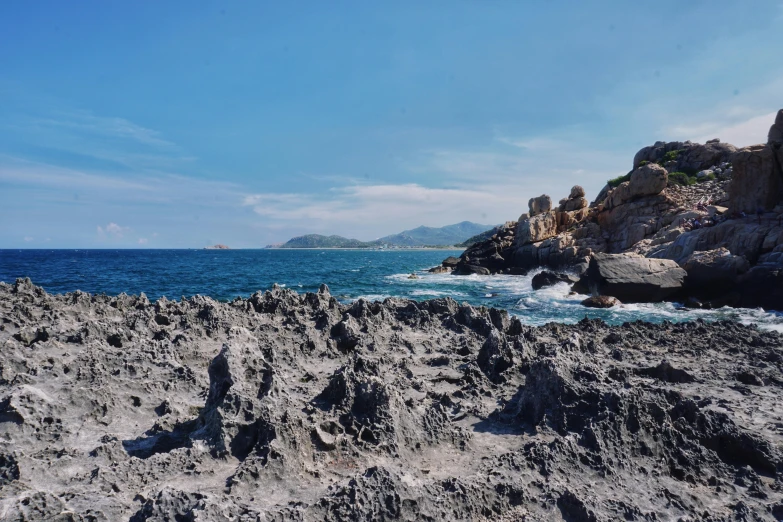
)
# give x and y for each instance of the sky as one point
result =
(182, 124)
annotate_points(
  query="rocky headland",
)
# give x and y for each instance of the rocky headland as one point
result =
(710, 214)
(297, 407)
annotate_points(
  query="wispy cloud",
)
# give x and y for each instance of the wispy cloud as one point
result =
(741, 131)
(143, 187)
(28, 239)
(142, 241)
(110, 127)
(359, 210)
(75, 136)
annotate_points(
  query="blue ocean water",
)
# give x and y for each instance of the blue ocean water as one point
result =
(350, 274)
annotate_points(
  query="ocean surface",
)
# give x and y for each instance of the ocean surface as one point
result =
(350, 274)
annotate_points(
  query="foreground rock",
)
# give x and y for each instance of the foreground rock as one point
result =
(295, 407)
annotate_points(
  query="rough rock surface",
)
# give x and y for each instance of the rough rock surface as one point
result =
(538, 228)
(648, 180)
(546, 278)
(757, 182)
(600, 301)
(714, 271)
(632, 278)
(295, 407)
(688, 156)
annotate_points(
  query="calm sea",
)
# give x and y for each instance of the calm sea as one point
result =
(350, 274)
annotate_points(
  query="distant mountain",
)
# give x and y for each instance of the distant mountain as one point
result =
(479, 237)
(449, 235)
(429, 236)
(319, 241)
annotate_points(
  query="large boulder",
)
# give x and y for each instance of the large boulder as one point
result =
(757, 181)
(714, 272)
(632, 278)
(685, 156)
(536, 228)
(762, 286)
(648, 180)
(542, 203)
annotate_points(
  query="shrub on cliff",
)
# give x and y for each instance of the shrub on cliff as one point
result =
(681, 178)
(670, 156)
(620, 179)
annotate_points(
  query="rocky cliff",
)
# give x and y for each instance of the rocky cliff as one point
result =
(681, 201)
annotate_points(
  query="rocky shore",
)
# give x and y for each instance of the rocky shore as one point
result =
(711, 210)
(296, 407)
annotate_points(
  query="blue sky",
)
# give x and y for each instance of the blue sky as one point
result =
(182, 124)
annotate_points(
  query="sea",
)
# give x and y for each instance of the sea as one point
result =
(350, 275)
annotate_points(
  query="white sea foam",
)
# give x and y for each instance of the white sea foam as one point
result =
(556, 303)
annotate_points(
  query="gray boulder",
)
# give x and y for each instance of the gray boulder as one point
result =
(600, 301)
(648, 180)
(577, 192)
(542, 203)
(714, 271)
(632, 278)
(757, 179)
(687, 156)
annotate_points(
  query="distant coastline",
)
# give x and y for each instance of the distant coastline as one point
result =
(450, 236)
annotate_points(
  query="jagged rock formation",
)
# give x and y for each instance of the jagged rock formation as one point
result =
(295, 407)
(737, 205)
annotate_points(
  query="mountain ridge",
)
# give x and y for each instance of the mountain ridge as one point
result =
(422, 236)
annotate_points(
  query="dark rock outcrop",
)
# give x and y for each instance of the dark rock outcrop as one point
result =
(631, 278)
(547, 278)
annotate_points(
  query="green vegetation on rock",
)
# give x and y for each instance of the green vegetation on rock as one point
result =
(670, 156)
(681, 178)
(620, 179)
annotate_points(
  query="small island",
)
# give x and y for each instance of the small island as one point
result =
(217, 247)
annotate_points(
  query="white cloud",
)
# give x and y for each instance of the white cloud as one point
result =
(370, 211)
(740, 132)
(112, 230)
(28, 239)
(142, 241)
